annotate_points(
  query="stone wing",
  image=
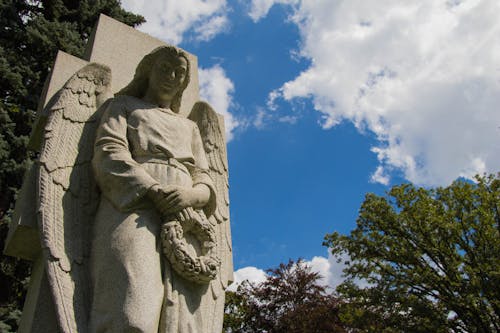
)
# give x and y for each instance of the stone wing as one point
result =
(212, 133)
(67, 193)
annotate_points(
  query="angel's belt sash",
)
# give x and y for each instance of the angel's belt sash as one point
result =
(163, 160)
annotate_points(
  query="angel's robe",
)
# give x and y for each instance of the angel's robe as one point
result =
(135, 289)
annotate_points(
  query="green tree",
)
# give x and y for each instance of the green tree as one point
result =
(429, 260)
(236, 310)
(290, 300)
(32, 32)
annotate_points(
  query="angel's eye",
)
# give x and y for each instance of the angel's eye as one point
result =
(180, 71)
(166, 68)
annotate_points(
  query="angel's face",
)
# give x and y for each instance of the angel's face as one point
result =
(167, 76)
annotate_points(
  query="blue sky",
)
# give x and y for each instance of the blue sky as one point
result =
(326, 100)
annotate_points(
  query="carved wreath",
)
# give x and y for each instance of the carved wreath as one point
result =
(202, 268)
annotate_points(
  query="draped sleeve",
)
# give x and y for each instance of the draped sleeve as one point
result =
(201, 172)
(122, 180)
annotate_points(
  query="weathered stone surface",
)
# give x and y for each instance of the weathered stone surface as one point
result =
(161, 177)
(23, 240)
(64, 67)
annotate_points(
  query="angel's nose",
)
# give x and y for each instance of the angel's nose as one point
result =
(171, 75)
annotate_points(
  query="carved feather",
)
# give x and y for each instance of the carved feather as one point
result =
(67, 192)
(212, 135)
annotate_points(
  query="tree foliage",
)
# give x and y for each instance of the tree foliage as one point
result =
(429, 260)
(32, 32)
(290, 300)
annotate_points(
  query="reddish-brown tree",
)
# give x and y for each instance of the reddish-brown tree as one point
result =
(291, 299)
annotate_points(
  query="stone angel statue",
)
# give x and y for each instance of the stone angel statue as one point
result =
(132, 205)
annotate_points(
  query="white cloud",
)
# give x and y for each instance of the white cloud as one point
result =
(215, 25)
(288, 119)
(380, 176)
(250, 274)
(260, 118)
(328, 268)
(170, 19)
(216, 88)
(260, 8)
(271, 100)
(321, 265)
(423, 76)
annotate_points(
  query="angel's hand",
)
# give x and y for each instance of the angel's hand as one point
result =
(185, 215)
(175, 198)
(155, 194)
(169, 199)
(172, 198)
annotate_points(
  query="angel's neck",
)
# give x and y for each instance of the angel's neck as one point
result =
(161, 104)
(157, 100)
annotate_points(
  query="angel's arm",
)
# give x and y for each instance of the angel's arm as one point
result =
(121, 179)
(202, 181)
(173, 198)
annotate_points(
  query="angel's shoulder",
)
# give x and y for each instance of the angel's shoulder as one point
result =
(126, 101)
(193, 125)
(125, 104)
(190, 122)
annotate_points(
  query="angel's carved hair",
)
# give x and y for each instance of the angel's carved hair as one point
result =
(139, 84)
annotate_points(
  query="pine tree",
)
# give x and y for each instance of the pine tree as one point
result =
(32, 32)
